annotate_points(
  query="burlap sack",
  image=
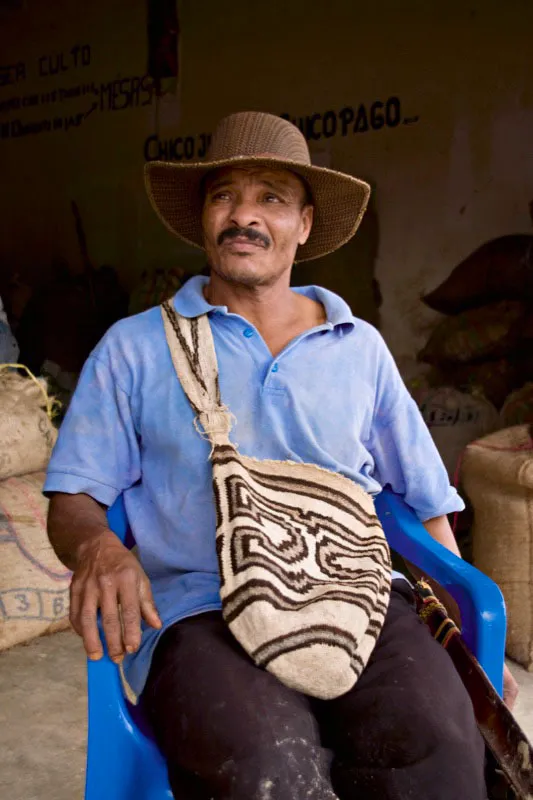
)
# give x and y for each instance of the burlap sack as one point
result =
(484, 333)
(454, 420)
(34, 585)
(27, 434)
(494, 380)
(497, 474)
(499, 269)
(518, 408)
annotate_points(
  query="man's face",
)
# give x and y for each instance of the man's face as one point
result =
(253, 221)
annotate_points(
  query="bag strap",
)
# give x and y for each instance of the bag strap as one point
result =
(192, 350)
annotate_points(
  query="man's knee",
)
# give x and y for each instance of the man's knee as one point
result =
(286, 768)
(409, 733)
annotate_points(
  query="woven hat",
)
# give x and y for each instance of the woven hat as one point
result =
(256, 139)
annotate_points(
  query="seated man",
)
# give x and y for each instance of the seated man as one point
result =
(306, 382)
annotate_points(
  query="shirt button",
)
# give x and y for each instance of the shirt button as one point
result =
(248, 332)
(275, 368)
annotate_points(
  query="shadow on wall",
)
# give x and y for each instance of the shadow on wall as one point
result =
(350, 271)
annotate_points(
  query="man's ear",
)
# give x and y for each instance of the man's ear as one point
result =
(307, 223)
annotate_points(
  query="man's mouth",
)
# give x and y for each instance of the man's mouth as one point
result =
(242, 241)
(244, 237)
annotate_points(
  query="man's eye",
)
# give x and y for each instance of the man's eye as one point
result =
(220, 196)
(272, 198)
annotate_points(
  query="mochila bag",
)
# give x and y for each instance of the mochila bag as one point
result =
(304, 564)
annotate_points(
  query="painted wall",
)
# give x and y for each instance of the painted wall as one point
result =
(440, 99)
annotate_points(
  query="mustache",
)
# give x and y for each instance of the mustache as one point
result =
(244, 233)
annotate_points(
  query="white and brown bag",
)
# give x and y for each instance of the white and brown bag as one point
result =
(304, 563)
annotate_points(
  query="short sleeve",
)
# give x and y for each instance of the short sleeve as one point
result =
(97, 451)
(404, 454)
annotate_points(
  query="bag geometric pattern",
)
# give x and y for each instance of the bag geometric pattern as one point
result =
(304, 564)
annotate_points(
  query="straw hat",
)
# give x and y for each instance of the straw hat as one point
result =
(256, 139)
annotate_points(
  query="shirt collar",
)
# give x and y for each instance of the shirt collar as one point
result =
(190, 302)
(338, 312)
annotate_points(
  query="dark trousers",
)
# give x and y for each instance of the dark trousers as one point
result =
(231, 731)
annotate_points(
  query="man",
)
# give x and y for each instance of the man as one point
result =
(306, 381)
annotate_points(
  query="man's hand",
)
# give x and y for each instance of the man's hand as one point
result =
(106, 576)
(109, 577)
(510, 688)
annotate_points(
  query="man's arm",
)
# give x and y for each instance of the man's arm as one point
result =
(75, 512)
(107, 576)
(440, 530)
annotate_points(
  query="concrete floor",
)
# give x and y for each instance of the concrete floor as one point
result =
(43, 718)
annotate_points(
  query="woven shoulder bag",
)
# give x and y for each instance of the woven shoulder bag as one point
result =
(304, 564)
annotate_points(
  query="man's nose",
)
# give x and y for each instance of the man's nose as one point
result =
(244, 214)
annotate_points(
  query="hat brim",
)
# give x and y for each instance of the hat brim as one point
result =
(339, 200)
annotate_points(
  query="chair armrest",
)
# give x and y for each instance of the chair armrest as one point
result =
(123, 760)
(480, 600)
(107, 701)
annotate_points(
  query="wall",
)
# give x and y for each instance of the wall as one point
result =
(451, 169)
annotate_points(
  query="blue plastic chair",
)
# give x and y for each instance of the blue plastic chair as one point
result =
(123, 761)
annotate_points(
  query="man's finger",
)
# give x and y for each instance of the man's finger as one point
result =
(510, 688)
(111, 619)
(148, 606)
(75, 606)
(510, 694)
(86, 623)
(509, 699)
(130, 612)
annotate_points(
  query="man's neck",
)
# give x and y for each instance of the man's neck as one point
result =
(262, 306)
(278, 313)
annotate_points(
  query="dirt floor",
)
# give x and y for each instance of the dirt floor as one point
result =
(43, 718)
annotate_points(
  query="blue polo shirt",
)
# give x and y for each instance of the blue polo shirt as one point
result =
(333, 397)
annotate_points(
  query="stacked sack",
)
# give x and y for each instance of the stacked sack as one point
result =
(454, 420)
(480, 354)
(497, 475)
(485, 344)
(518, 408)
(34, 585)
